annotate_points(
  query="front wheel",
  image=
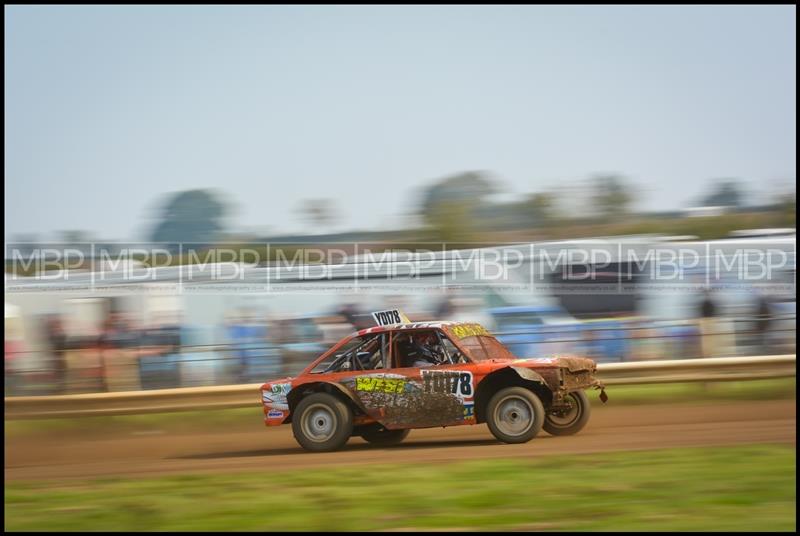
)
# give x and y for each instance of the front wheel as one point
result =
(322, 422)
(515, 415)
(378, 435)
(570, 420)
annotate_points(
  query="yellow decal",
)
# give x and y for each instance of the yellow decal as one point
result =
(469, 330)
(380, 385)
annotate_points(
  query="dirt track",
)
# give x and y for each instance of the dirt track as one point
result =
(263, 449)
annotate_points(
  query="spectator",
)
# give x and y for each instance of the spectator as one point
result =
(119, 343)
(355, 317)
(11, 379)
(57, 339)
(445, 308)
(158, 361)
(85, 371)
(708, 312)
(708, 309)
(15, 348)
(762, 320)
(238, 335)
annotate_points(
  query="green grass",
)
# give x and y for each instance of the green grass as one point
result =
(726, 489)
(246, 418)
(775, 389)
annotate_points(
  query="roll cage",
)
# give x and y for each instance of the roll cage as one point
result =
(379, 351)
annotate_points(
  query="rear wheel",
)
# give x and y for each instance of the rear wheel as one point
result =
(379, 435)
(322, 422)
(570, 420)
(515, 415)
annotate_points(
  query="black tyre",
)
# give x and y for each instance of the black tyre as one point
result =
(572, 420)
(378, 435)
(515, 415)
(322, 423)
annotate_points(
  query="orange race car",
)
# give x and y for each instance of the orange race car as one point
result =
(380, 382)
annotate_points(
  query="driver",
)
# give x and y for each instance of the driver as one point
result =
(420, 350)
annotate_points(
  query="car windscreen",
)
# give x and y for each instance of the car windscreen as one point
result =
(482, 347)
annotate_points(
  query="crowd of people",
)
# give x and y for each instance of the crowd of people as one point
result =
(166, 353)
(120, 357)
(249, 348)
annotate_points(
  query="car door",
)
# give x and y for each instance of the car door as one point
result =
(367, 377)
(421, 397)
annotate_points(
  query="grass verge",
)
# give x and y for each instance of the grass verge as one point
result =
(727, 489)
(690, 392)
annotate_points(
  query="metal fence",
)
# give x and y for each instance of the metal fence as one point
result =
(97, 368)
(248, 395)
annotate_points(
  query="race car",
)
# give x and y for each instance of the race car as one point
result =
(380, 382)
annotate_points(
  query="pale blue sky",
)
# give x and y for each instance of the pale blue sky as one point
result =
(108, 108)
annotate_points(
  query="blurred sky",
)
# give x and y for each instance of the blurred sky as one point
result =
(107, 108)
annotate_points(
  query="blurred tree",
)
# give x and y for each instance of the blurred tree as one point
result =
(452, 206)
(471, 186)
(451, 221)
(725, 193)
(320, 213)
(542, 208)
(611, 196)
(787, 207)
(191, 216)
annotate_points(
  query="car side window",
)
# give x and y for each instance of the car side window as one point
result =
(423, 348)
(452, 353)
(360, 353)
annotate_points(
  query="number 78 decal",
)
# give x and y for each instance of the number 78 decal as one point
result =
(453, 382)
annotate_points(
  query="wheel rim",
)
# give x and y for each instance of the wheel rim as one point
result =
(319, 423)
(567, 417)
(514, 415)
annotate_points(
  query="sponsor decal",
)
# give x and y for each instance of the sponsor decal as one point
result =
(469, 330)
(380, 385)
(276, 395)
(274, 414)
(469, 411)
(281, 389)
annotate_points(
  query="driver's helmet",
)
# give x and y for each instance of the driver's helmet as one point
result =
(404, 338)
(425, 338)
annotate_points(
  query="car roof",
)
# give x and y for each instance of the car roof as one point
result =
(408, 326)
